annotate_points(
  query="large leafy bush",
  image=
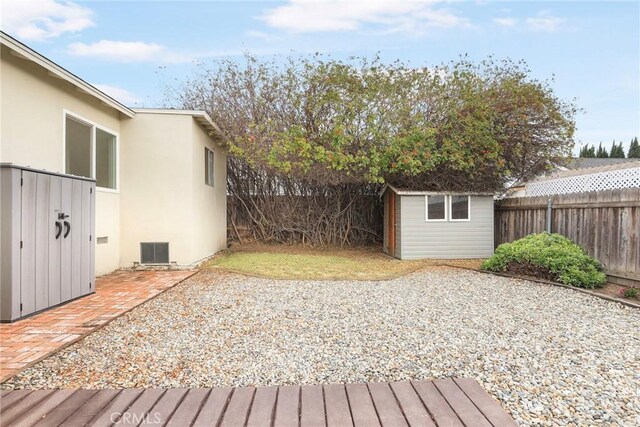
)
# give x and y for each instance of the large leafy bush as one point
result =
(550, 256)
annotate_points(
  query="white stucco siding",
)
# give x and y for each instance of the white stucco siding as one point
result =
(33, 102)
(156, 186)
(209, 213)
(164, 195)
(446, 239)
(32, 134)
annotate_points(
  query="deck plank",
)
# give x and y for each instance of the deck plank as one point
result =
(264, 403)
(165, 406)
(24, 405)
(140, 409)
(487, 404)
(287, 407)
(411, 405)
(312, 406)
(388, 409)
(188, 409)
(463, 407)
(338, 412)
(442, 413)
(13, 397)
(238, 407)
(213, 408)
(92, 408)
(39, 411)
(362, 410)
(65, 410)
(113, 408)
(444, 403)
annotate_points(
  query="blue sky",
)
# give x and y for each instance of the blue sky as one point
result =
(135, 50)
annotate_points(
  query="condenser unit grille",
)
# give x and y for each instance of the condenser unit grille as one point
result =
(154, 253)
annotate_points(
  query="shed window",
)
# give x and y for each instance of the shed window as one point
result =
(459, 208)
(208, 166)
(436, 208)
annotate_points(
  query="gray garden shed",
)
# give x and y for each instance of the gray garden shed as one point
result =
(437, 225)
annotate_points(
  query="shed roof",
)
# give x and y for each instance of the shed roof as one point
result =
(408, 192)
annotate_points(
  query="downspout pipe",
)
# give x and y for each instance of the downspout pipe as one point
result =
(549, 208)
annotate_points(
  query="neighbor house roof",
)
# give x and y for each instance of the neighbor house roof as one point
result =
(57, 71)
(594, 168)
(586, 162)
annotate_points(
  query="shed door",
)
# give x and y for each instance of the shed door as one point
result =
(391, 223)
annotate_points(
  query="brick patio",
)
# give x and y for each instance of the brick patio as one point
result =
(28, 341)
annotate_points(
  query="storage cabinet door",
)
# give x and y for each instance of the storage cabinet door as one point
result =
(65, 244)
(55, 234)
(86, 238)
(42, 225)
(75, 235)
(28, 244)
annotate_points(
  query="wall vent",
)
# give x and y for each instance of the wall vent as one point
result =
(154, 253)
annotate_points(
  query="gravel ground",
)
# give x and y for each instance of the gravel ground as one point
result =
(552, 356)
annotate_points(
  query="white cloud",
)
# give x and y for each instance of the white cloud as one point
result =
(302, 16)
(505, 22)
(37, 20)
(262, 36)
(120, 94)
(544, 22)
(119, 51)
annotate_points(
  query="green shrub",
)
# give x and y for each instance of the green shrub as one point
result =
(549, 256)
(630, 292)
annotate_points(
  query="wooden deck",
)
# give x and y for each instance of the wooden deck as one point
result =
(445, 402)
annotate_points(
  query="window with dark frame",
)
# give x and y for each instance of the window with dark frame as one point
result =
(208, 167)
(436, 208)
(459, 208)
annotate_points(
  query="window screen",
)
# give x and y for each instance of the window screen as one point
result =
(436, 208)
(105, 159)
(78, 147)
(154, 253)
(208, 166)
(459, 208)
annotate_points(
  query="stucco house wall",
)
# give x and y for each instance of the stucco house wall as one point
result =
(164, 197)
(161, 194)
(33, 104)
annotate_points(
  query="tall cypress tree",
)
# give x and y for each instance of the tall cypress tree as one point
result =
(617, 152)
(634, 149)
(602, 152)
(588, 151)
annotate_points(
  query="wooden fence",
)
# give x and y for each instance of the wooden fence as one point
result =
(605, 223)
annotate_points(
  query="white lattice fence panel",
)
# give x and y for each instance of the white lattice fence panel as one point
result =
(609, 180)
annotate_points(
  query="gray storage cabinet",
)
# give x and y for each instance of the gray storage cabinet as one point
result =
(47, 253)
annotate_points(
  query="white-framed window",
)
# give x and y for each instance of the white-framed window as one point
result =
(440, 207)
(436, 207)
(91, 151)
(208, 167)
(460, 208)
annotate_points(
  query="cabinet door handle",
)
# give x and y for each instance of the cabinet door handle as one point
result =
(58, 229)
(68, 229)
